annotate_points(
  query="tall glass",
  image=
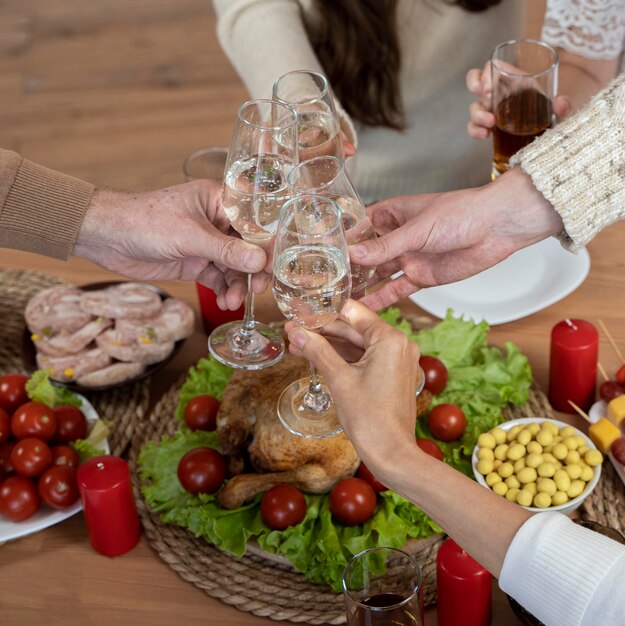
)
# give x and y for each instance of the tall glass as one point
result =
(262, 152)
(382, 587)
(309, 93)
(525, 80)
(326, 176)
(311, 283)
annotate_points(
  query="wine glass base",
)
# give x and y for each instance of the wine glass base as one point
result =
(299, 420)
(263, 348)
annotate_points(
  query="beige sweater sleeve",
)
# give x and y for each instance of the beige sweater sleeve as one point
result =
(579, 166)
(40, 210)
(263, 40)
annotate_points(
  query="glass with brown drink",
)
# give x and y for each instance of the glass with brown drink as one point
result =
(524, 78)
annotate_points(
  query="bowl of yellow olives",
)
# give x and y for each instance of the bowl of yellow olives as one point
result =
(541, 464)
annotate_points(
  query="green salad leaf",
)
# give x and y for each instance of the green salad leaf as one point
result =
(40, 389)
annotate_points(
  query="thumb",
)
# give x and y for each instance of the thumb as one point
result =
(562, 107)
(231, 252)
(382, 249)
(319, 352)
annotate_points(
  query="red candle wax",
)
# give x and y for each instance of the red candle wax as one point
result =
(212, 315)
(464, 588)
(108, 505)
(573, 365)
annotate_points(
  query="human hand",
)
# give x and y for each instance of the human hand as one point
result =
(437, 239)
(482, 118)
(180, 232)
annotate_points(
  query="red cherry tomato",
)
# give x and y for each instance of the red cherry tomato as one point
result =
(430, 447)
(58, 487)
(5, 456)
(618, 450)
(18, 498)
(447, 422)
(610, 389)
(435, 374)
(201, 413)
(71, 424)
(33, 419)
(12, 391)
(30, 457)
(65, 456)
(620, 375)
(282, 506)
(202, 470)
(5, 425)
(352, 501)
(365, 474)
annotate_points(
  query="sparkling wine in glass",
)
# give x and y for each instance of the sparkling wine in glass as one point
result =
(309, 93)
(262, 152)
(326, 176)
(311, 283)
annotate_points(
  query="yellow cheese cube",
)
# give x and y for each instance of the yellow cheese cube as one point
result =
(616, 410)
(603, 434)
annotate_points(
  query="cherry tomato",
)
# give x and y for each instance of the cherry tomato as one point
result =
(30, 457)
(435, 374)
(365, 474)
(282, 506)
(610, 389)
(18, 498)
(202, 470)
(12, 391)
(620, 375)
(65, 456)
(430, 447)
(71, 424)
(5, 456)
(5, 425)
(201, 413)
(618, 450)
(352, 501)
(447, 422)
(33, 419)
(58, 487)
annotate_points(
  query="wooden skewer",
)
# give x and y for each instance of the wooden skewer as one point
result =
(602, 372)
(612, 342)
(580, 412)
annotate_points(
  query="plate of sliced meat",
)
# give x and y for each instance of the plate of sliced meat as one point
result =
(103, 335)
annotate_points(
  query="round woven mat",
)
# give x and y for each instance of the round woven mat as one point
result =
(123, 407)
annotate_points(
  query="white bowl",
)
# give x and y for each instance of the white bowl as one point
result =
(569, 506)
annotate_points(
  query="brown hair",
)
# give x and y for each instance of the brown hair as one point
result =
(357, 44)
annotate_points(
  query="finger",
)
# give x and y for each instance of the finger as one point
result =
(481, 116)
(474, 81)
(348, 148)
(260, 282)
(212, 278)
(477, 132)
(235, 294)
(390, 293)
(342, 330)
(562, 107)
(387, 269)
(366, 322)
(319, 352)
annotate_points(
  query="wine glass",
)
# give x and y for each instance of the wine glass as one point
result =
(262, 152)
(309, 93)
(311, 283)
(326, 176)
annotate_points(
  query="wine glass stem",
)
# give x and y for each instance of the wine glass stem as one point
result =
(247, 327)
(315, 399)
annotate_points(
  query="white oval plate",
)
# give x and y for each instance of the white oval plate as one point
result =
(526, 282)
(47, 516)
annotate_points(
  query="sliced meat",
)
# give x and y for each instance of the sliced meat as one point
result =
(175, 322)
(147, 352)
(56, 310)
(126, 300)
(112, 375)
(69, 368)
(65, 343)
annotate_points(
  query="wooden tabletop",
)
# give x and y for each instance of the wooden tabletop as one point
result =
(119, 92)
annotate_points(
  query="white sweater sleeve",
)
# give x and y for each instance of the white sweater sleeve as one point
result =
(565, 575)
(263, 40)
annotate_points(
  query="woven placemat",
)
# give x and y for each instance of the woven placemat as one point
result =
(123, 407)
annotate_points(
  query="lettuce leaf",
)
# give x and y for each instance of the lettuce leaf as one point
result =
(40, 389)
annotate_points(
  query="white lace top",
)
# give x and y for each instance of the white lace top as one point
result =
(591, 28)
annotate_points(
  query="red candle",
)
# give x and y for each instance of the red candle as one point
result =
(108, 504)
(573, 365)
(464, 588)
(212, 315)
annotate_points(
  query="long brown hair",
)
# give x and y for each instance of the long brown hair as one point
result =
(357, 44)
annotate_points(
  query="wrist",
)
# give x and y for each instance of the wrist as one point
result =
(98, 226)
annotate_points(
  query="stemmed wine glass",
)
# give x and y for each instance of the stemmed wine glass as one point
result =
(262, 152)
(311, 283)
(310, 95)
(326, 176)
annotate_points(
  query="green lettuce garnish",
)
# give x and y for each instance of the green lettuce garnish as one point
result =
(40, 389)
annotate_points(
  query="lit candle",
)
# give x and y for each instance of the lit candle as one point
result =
(464, 588)
(108, 504)
(573, 365)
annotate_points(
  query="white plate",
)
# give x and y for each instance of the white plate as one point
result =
(47, 516)
(528, 281)
(598, 410)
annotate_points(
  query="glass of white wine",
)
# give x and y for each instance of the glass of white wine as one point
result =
(310, 95)
(262, 152)
(311, 283)
(326, 176)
